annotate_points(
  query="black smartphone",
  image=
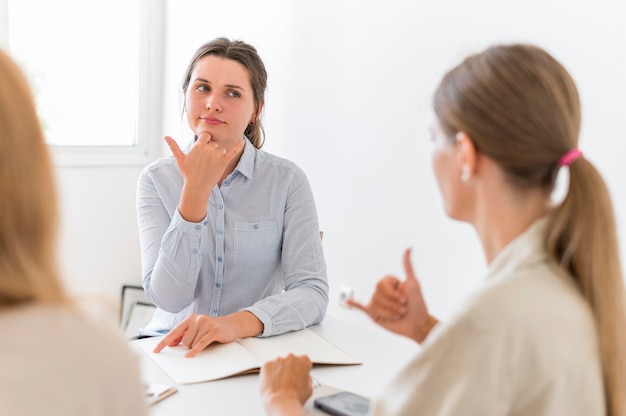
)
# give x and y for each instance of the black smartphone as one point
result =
(343, 404)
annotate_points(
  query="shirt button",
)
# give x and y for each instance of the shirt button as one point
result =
(218, 285)
(205, 223)
(214, 310)
(226, 183)
(220, 206)
(220, 232)
(197, 227)
(194, 251)
(255, 226)
(219, 259)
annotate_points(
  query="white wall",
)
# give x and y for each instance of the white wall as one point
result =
(348, 99)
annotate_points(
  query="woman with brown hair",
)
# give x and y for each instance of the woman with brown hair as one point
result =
(54, 360)
(229, 233)
(545, 333)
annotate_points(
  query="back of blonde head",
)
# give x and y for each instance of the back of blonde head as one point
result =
(28, 207)
(521, 108)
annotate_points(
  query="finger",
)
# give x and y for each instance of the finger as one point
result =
(386, 310)
(388, 293)
(379, 307)
(356, 304)
(168, 341)
(307, 361)
(411, 284)
(235, 150)
(173, 337)
(200, 345)
(272, 364)
(387, 305)
(159, 347)
(176, 152)
(389, 287)
(189, 338)
(301, 360)
(204, 137)
(408, 267)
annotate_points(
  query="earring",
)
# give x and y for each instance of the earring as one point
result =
(464, 173)
(251, 123)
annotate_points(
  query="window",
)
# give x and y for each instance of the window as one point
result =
(96, 71)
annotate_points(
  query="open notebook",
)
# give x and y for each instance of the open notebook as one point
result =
(243, 356)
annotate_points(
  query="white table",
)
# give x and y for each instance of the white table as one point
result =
(382, 353)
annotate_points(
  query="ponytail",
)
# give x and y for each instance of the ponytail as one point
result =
(256, 134)
(581, 235)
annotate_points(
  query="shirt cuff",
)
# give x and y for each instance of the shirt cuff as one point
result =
(265, 319)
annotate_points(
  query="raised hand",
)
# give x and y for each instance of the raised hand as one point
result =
(399, 306)
(201, 168)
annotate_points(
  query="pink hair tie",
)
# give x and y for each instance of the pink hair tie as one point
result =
(569, 157)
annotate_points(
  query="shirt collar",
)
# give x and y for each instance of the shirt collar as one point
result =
(526, 249)
(246, 162)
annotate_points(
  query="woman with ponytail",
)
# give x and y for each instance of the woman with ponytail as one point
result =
(544, 335)
(229, 233)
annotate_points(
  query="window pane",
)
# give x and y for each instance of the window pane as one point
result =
(82, 59)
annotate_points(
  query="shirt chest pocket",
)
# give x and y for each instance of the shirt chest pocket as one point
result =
(256, 243)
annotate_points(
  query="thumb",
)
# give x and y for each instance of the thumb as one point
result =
(408, 267)
(176, 152)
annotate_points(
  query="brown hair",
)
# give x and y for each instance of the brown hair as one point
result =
(247, 56)
(28, 211)
(521, 108)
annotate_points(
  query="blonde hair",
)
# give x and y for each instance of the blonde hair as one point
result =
(28, 211)
(521, 108)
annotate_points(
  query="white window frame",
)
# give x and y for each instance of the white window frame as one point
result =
(149, 111)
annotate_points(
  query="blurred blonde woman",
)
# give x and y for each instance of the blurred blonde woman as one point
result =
(544, 335)
(53, 360)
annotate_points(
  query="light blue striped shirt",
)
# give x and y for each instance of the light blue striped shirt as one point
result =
(258, 248)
